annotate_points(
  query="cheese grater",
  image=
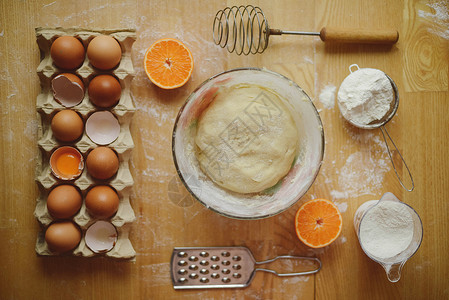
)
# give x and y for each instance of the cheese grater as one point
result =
(221, 267)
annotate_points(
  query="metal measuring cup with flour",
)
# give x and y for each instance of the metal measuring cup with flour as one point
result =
(368, 99)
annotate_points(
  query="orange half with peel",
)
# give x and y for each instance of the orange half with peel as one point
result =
(168, 63)
(318, 223)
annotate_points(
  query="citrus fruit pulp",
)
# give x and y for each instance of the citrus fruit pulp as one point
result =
(168, 63)
(318, 223)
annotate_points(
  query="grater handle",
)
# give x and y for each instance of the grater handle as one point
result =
(289, 257)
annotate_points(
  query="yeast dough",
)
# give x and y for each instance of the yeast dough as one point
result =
(246, 139)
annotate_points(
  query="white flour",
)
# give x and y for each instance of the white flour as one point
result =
(386, 230)
(327, 96)
(365, 96)
(437, 19)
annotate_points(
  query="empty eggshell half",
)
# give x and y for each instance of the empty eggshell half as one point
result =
(68, 89)
(102, 127)
(101, 237)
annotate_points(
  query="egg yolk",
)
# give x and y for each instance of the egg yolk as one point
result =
(68, 164)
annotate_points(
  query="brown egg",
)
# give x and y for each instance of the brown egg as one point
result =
(102, 201)
(104, 52)
(104, 90)
(62, 236)
(67, 125)
(102, 163)
(64, 201)
(67, 52)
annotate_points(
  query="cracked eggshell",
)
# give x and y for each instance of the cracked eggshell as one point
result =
(68, 89)
(102, 127)
(101, 237)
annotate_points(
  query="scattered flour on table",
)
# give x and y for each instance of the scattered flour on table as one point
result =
(308, 60)
(354, 174)
(155, 275)
(361, 175)
(159, 113)
(49, 4)
(441, 11)
(439, 18)
(339, 195)
(342, 206)
(327, 96)
(386, 229)
(365, 96)
(295, 280)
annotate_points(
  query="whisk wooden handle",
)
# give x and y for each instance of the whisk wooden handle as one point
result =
(368, 36)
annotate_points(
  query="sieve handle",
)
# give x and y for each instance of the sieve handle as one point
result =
(289, 257)
(367, 36)
(384, 131)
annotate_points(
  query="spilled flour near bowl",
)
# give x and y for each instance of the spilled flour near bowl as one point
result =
(327, 96)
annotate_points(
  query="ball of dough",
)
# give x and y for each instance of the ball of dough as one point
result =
(246, 139)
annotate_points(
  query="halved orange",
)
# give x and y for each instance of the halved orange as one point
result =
(168, 63)
(318, 223)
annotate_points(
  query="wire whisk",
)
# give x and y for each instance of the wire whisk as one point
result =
(245, 30)
(242, 29)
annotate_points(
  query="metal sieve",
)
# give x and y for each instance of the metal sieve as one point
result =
(381, 124)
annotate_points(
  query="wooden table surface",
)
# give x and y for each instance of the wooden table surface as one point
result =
(356, 167)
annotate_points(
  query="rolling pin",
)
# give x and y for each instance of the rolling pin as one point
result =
(339, 35)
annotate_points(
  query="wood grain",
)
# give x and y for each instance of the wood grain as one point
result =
(425, 52)
(355, 168)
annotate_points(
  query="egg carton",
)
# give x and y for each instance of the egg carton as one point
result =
(46, 70)
(47, 107)
(123, 248)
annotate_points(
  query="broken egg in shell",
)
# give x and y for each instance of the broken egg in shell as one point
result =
(66, 163)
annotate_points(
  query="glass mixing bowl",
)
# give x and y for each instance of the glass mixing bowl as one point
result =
(290, 188)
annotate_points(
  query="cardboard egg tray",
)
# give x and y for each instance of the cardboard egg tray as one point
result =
(47, 107)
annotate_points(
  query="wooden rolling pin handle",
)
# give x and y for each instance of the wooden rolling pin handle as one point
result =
(363, 36)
